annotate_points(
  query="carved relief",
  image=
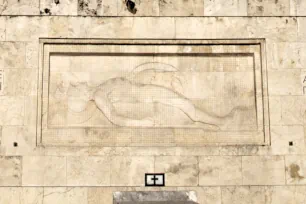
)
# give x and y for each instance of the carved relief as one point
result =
(134, 94)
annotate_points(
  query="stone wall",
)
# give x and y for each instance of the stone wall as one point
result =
(273, 174)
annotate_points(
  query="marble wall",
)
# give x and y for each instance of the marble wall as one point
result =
(273, 174)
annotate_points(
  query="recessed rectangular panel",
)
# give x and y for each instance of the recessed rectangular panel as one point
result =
(152, 93)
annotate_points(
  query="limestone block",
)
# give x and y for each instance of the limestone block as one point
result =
(285, 82)
(20, 82)
(263, 170)
(44, 171)
(2, 28)
(19, 7)
(301, 29)
(88, 171)
(181, 7)
(58, 7)
(179, 171)
(144, 8)
(282, 55)
(25, 137)
(225, 7)
(130, 171)
(296, 170)
(280, 29)
(10, 171)
(287, 110)
(197, 151)
(281, 136)
(197, 28)
(25, 28)
(243, 194)
(216, 170)
(12, 55)
(32, 51)
(69, 27)
(286, 194)
(11, 110)
(91, 7)
(205, 195)
(69, 195)
(300, 7)
(268, 7)
(17, 195)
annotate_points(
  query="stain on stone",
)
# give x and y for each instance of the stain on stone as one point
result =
(47, 11)
(294, 172)
(260, 8)
(83, 7)
(276, 1)
(175, 168)
(56, 1)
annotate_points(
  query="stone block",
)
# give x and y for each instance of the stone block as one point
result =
(179, 171)
(2, 27)
(217, 170)
(243, 194)
(88, 171)
(130, 171)
(12, 55)
(17, 7)
(58, 7)
(285, 82)
(11, 110)
(181, 7)
(144, 8)
(263, 170)
(268, 7)
(225, 7)
(10, 171)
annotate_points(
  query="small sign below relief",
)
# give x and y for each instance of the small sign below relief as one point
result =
(1, 81)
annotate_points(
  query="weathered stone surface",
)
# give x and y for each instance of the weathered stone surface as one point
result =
(242, 195)
(11, 110)
(10, 171)
(19, 7)
(17, 195)
(181, 7)
(12, 55)
(178, 170)
(263, 170)
(69, 195)
(88, 171)
(296, 170)
(44, 171)
(2, 28)
(285, 194)
(58, 7)
(268, 7)
(134, 170)
(285, 82)
(225, 7)
(217, 170)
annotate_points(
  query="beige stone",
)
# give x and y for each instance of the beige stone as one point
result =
(27, 28)
(15, 7)
(11, 110)
(134, 170)
(301, 7)
(88, 171)
(17, 195)
(263, 170)
(225, 7)
(181, 7)
(2, 28)
(23, 136)
(69, 195)
(12, 55)
(281, 136)
(216, 170)
(287, 110)
(301, 29)
(268, 8)
(243, 194)
(178, 170)
(44, 171)
(10, 171)
(282, 55)
(286, 194)
(144, 8)
(20, 82)
(32, 55)
(295, 170)
(285, 82)
(90, 7)
(58, 7)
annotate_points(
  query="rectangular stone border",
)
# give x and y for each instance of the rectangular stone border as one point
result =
(261, 84)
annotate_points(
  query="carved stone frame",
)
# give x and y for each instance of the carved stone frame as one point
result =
(73, 137)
